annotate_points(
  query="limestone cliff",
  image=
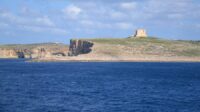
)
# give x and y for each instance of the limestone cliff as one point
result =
(130, 49)
(126, 48)
(6, 52)
(33, 50)
(79, 47)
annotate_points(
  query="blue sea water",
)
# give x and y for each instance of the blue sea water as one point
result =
(99, 87)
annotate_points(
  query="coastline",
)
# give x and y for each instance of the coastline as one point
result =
(108, 50)
(135, 59)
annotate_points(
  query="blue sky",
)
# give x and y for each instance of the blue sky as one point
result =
(32, 21)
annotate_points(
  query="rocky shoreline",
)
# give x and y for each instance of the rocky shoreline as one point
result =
(32, 51)
(134, 59)
(107, 50)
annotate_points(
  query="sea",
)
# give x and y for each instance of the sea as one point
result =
(99, 86)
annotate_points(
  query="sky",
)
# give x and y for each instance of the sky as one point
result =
(39, 21)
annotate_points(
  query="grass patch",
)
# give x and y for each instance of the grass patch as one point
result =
(30, 46)
(190, 53)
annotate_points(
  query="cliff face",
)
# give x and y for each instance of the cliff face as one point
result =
(79, 47)
(11, 53)
(130, 49)
(33, 50)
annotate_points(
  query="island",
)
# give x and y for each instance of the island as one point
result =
(136, 48)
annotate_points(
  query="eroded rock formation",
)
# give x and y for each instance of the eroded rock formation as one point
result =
(6, 52)
(33, 51)
(79, 47)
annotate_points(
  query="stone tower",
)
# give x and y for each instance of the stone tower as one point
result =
(140, 33)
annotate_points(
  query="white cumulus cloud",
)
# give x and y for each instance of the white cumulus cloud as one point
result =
(45, 20)
(128, 5)
(124, 25)
(72, 11)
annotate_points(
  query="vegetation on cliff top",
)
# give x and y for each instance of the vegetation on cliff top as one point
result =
(116, 47)
(128, 41)
(150, 46)
(31, 46)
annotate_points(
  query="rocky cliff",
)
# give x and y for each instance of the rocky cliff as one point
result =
(33, 50)
(133, 47)
(107, 49)
(6, 52)
(130, 49)
(79, 47)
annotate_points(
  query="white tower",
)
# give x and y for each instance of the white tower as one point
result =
(140, 33)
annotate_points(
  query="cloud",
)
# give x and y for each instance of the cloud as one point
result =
(21, 20)
(38, 24)
(8, 16)
(94, 24)
(42, 30)
(117, 15)
(88, 24)
(3, 25)
(44, 20)
(128, 5)
(26, 11)
(169, 7)
(197, 26)
(175, 16)
(101, 16)
(124, 25)
(72, 11)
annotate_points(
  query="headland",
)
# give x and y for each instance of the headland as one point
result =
(137, 48)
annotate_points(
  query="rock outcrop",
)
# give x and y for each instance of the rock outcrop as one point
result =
(79, 47)
(33, 50)
(6, 52)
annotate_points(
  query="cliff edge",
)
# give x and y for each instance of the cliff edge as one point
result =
(107, 49)
(42, 50)
(131, 49)
(79, 47)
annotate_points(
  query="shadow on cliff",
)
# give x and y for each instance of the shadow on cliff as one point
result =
(80, 47)
(20, 54)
